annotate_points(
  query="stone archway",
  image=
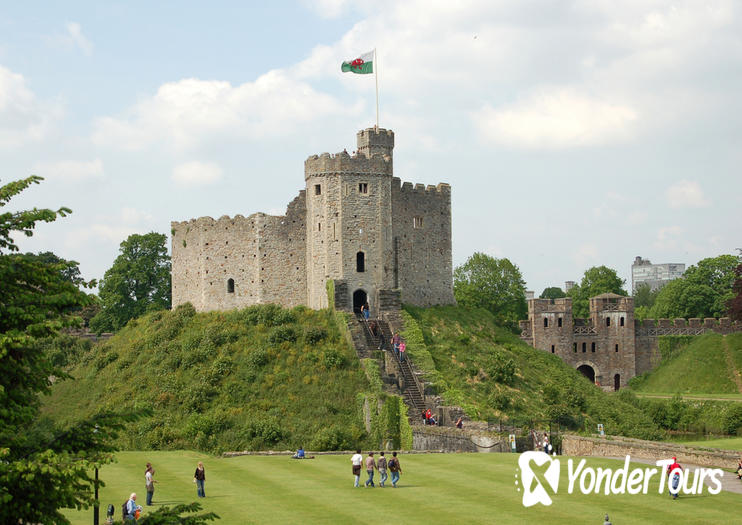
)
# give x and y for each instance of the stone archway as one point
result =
(359, 298)
(588, 371)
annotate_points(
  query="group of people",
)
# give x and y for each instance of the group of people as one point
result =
(382, 465)
(429, 418)
(399, 346)
(132, 511)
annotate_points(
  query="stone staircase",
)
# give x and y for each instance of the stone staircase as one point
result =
(366, 343)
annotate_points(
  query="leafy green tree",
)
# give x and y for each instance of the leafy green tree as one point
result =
(172, 516)
(703, 291)
(645, 296)
(597, 280)
(138, 282)
(552, 292)
(42, 468)
(494, 284)
(734, 304)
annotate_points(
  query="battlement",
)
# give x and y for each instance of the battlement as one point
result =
(562, 305)
(611, 302)
(373, 141)
(693, 326)
(408, 187)
(342, 163)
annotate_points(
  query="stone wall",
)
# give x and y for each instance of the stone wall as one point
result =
(619, 447)
(423, 267)
(457, 440)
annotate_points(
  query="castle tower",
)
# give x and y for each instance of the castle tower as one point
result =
(349, 221)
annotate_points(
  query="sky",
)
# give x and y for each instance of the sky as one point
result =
(573, 134)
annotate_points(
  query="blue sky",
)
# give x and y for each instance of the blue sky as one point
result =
(573, 134)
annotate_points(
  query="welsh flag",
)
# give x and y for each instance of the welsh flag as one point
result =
(363, 65)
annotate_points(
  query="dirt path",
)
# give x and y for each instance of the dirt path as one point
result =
(730, 364)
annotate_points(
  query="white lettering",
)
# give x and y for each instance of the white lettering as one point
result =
(635, 481)
(674, 489)
(714, 477)
(587, 489)
(603, 475)
(573, 475)
(648, 473)
(663, 464)
(621, 474)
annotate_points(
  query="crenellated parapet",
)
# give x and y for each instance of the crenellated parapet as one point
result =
(421, 189)
(343, 163)
(681, 326)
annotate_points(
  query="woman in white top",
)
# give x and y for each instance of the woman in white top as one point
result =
(356, 461)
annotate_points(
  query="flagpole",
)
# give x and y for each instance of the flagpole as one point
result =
(376, 77)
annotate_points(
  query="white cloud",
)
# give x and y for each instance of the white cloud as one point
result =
(70, 170)
(668, 238)
(75, 36)
(327, 8)
(188, 112)
(196, 173)
(23, 118)
(686, 194)
(637, 218)
(111, 230)
(556, 118)
(585, 254)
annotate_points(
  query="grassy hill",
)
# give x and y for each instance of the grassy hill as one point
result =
(492, 374)
(265, 377)
(706, 365)
(261, 377)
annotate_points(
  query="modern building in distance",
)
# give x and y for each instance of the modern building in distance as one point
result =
(655, 275)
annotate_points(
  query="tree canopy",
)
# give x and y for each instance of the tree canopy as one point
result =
(552, 292)
(597, 280)
(138, 282)
(494, 284)
(44, 468)
(734, 304)
(703, 291)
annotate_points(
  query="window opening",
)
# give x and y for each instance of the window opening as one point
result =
(621, 321)
(608, 321)
(574, 347)
(318, 189)
(360, 262)
(546, 322)
(584, 347)
(616, 347)
(417, 222)
(592, 347)
(362, 187)
(552, 349)
(230, 285)
(559, 322)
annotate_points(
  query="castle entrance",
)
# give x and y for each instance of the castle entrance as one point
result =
(359, 298)
(587, 371)
(616, 382)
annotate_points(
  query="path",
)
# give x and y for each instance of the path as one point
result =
(689, 397)
(729, 481)
(730, 364)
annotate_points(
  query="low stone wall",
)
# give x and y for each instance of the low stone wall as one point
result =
(613, 446)
(449, 439)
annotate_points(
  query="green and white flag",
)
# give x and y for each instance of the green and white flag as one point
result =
(363, 65)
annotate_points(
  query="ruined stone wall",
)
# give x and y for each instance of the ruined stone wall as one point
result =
(263, 255)
(421, 227)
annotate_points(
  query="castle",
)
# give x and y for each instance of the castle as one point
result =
(610, 347)
(354, 225)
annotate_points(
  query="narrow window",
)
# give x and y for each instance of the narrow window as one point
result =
(621, 321)
(552, 349)
(362, 187)
(608, 321)
(592, 347)
(318, 189)
(574, 347)
(333, 232)
(559, 322)
(360, 262)
(417, 222)
(230, 285)
(546, 322)
(584, 347)
(617, 348)
(319, 226)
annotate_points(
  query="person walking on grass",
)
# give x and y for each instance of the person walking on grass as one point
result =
(200, 478)
(381, 465)
(132, 508)
(149, 483)
(395, 469)
(370, 466)
(356, 461)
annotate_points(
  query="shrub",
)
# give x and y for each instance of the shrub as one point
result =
(502, 369)
(264, 432)
(332, 358)
(280, 334)
(103, 360)
(732, 419)
(257, 359)
(332, 438)
(312, 336)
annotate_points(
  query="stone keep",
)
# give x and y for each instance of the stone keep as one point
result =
(354, 224)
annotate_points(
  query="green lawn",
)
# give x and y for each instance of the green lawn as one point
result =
(732, 443)
(435, 488)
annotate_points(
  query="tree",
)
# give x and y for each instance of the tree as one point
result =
(138, 282)
(494, 284)
(552, 292)
(597, 280)
(43, 468)
(734, 304)
(703, 291)
(645, 296)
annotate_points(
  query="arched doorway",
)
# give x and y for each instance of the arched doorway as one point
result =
(587, 371)
(616, 382)
(359, 298)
